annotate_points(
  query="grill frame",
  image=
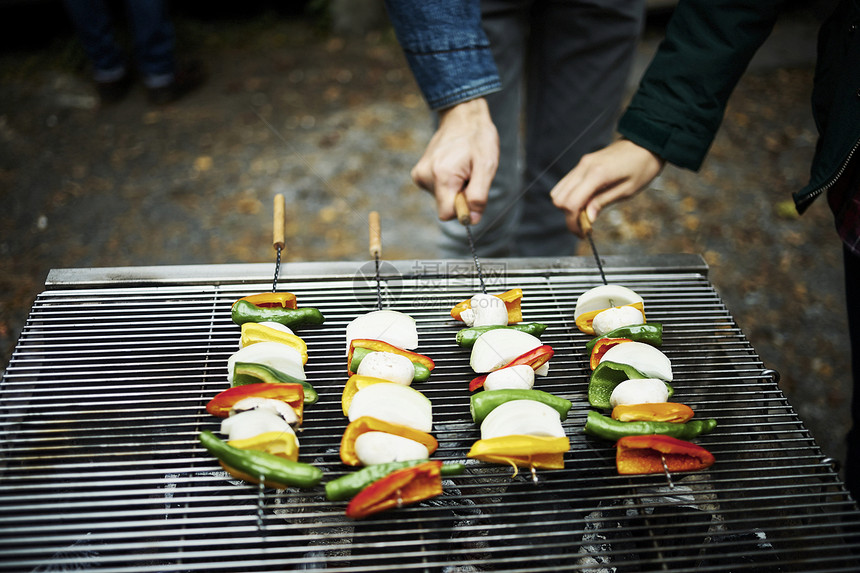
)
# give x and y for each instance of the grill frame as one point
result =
(157, 340)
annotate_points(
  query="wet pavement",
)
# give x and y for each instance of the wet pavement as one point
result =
(335, 122)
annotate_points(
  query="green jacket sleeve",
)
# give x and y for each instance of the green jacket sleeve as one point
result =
(681, 100)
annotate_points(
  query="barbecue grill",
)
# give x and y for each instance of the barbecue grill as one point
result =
(104, 396)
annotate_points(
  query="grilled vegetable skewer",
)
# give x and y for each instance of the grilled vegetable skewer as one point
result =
(389, 421)
(632, 376)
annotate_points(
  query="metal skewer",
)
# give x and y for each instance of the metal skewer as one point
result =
(278, 235)
(376, 251)
(260, 507)
(666, 471)
(461, 206)
(585, 225)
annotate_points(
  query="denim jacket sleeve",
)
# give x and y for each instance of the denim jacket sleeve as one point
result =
(446, 49)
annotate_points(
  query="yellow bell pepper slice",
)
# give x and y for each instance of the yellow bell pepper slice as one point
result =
(522, 451)
(253, 332)
(271, 300)
(355, 383)
(280, 444)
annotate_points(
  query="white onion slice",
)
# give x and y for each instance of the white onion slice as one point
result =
(604, 296)
(272, 354)
(613, 318)
(253, 423)
(522, 417)
(488, 310)
(640, 391)
(521, 376)
(391, 326)
(279, 407)
(382, 447)
(388, 366)
(393, 403)
(643, 357)
(496, 348)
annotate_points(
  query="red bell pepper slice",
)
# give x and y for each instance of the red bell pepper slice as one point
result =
(271, 300)
(380, 346)
(534, 358)
(601, 346)
(645, 455)
(399, 488)
(292, 394)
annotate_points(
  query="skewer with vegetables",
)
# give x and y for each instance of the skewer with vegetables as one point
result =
(390, 423)
(519, 425)
(632, 377)
(264, 405)
(268, 388)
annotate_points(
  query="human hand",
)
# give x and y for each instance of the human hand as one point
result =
(463, 154)
(611, 174)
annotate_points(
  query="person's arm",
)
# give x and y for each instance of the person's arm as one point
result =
(679, 105)
(463, 154)
(450, 57)
(611, 174)
(446, 49)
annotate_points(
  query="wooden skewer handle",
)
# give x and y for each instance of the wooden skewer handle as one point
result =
(278, 228)
(461, 207)
(375, 235)
(584, 222)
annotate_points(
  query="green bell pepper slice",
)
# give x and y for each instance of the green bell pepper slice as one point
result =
(649, 333)
(252, 464)
(601, 426)
(606, 377)
(251, 373)
(482, 403)
(466, 337)
(244, 311)
(347, 486)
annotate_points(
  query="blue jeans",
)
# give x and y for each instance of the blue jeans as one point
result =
(152, 32)
(564, 67)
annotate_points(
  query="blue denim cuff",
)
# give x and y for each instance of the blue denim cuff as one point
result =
(453, 76)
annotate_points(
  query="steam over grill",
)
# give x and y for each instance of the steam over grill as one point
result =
(102, 402)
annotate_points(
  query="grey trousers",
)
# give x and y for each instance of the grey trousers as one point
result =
(564, 67)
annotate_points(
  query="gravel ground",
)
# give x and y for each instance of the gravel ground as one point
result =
(335, 123)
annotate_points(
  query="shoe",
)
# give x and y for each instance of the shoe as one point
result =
(114, 91)
(188, 78)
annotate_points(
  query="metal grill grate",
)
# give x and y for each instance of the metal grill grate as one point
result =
(104, 396)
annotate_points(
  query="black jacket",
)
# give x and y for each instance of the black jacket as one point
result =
(709, 43)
